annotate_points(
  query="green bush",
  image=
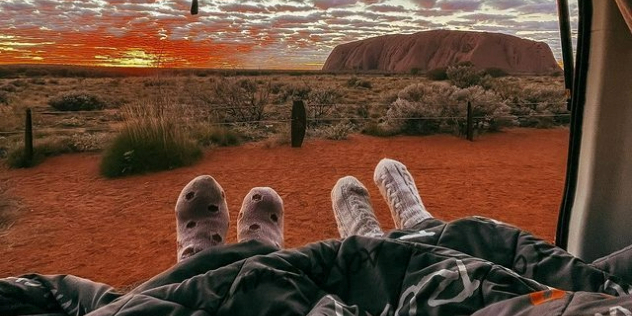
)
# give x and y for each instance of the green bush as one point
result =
(54, 146)
(355, 82)
(292, 92)
(535, 105)
(216, 135)
(4, 97)
(424, 109)
(152, 139)
(375, 129)
(77, 101)
(437, 74)
(338, 131)
(495, 72)
(41, 150)
(464, 76)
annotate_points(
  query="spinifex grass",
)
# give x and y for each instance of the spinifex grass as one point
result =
(153, 138)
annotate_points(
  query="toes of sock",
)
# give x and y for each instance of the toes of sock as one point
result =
(261, 217)
(201, 216)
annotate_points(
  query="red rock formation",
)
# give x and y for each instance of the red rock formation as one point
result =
(442, 48)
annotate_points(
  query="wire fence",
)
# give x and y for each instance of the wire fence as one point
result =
(210, 110)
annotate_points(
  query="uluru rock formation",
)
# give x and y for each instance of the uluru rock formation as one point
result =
(429, 50)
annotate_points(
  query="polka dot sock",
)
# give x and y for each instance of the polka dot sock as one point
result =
(201, 216)
(398, 188)
(261, 217)
(352, 209)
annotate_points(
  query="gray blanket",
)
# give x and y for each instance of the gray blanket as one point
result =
(473, 266)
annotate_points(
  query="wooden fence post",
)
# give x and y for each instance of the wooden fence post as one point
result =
(470, 122)
(299, 123)
(28, 138)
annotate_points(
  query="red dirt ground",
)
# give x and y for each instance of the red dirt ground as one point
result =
(122, 231)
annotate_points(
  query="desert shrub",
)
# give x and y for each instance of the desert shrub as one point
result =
(375, 129)
(152, 139)
(294, 92)
(42, 149)
(424, 109)
(282, 137)
(338, 131)
(19, 83)
(356, 82)
(321, 103)
(208, 135)
(4, 97)
(388, 97)
(464, 76)
(537, 105)
(8, 88)
(11, 118)
(415, 71)
(239, 100)
(437, 74)
(496, 72)
(37, 81)
(17, 159)
(54, 146)
(77, 101)
(87, 142)
(157, 82)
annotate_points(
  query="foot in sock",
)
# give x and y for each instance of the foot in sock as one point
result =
(201, 216)
(352, 209)
(261, 217)
(398, 188)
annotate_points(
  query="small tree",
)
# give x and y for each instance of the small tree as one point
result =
(464, 76)
(240, 99)
(321, 103)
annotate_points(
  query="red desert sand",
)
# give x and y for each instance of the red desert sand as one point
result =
(122, 231)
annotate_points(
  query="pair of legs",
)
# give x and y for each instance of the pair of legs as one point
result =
(202, 217)
(352, 206)
(202, 214)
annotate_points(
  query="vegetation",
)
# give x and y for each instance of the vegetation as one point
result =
(77, 101)
(152, 139)
(224, 108)
(221, 136)
(54, 146)
(437, 74)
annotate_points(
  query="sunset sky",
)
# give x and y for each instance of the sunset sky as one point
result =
(273, 34)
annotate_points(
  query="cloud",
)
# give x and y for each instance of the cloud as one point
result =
(459, 5)
(236, 7)
(387, 8)
(327, 4)
(244, 32)
(426, 4)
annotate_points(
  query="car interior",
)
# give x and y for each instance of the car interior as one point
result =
(594, 218)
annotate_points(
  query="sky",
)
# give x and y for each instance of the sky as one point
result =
(237, 34)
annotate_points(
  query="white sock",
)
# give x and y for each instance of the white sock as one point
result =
(261, 217)
(398, 188)
(352, 209)
(201, 216)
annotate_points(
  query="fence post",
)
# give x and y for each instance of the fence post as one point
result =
(470, 122)
(28, 138)
(299, 123)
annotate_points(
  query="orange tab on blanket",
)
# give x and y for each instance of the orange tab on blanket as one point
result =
(538, 298)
